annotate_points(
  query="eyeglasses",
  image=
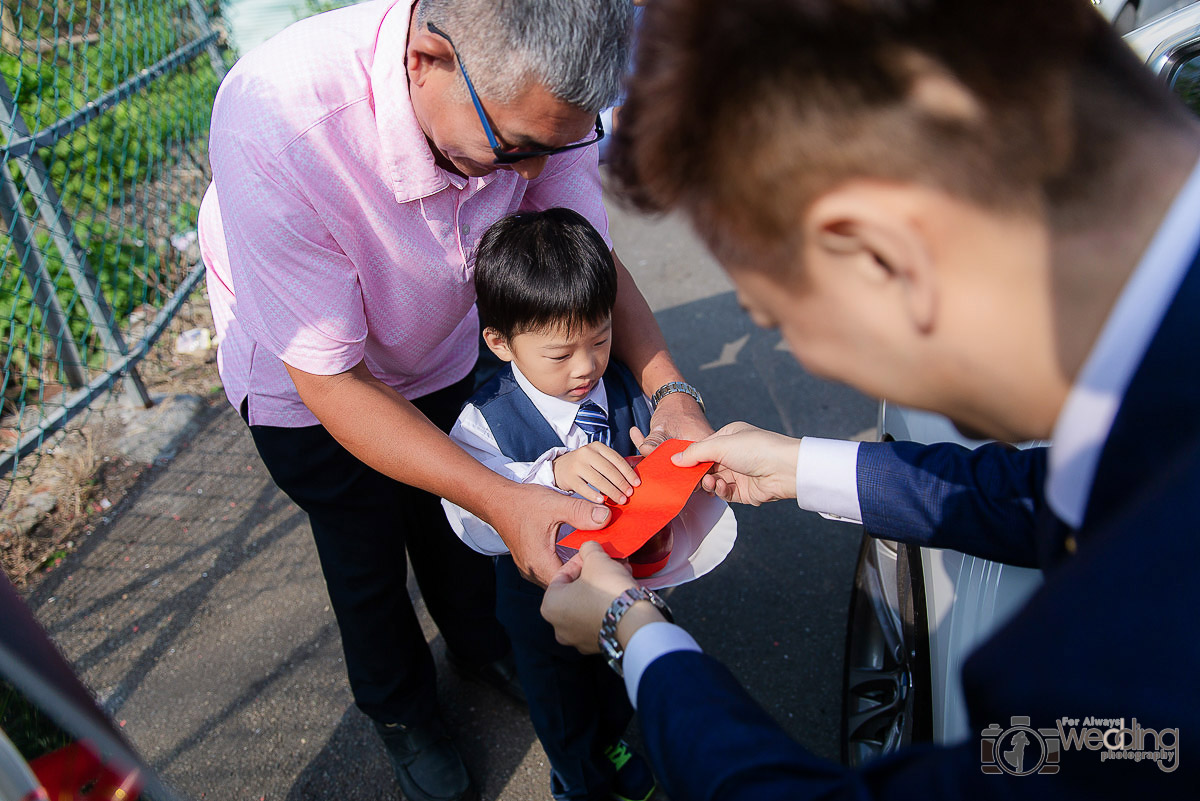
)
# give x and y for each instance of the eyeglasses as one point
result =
(510, 155)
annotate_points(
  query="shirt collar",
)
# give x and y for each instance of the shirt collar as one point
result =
(559, 413)
(411, 170)
(1087, 415)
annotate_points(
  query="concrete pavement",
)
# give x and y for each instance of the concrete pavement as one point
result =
(199, 616)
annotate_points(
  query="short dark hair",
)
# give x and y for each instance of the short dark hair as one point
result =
(743, 113)
(540, 270)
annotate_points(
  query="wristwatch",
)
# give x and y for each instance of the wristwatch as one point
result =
(677, 386)
(612, 618)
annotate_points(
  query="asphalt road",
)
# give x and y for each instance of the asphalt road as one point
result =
(199, 616)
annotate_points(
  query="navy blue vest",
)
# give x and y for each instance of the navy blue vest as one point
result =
(523, 434)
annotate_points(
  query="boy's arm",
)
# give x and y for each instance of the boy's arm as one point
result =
(472, 434)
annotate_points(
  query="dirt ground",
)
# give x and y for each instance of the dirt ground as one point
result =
(68, 487)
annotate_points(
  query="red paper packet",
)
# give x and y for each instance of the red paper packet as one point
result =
(664, 491)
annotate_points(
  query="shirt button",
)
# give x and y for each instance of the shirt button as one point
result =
(464, 229)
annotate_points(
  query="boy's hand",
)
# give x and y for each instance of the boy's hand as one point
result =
(594, 467)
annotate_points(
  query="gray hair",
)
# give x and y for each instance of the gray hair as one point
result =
(577, 49)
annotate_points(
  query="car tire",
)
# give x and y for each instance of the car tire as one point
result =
(886, 698)
(1126, 19)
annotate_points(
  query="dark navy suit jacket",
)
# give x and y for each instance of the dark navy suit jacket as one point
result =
(1112, 633)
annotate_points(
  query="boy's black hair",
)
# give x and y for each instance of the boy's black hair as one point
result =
(540, 270)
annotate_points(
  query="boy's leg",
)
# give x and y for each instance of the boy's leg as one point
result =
(578, 706)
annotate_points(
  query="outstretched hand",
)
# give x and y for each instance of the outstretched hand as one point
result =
(580, 594)
(678, 416)
(752, 466)
(529, 525)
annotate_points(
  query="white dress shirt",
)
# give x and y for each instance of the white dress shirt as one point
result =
(473, 434)
(827, 470)
(1087, 415)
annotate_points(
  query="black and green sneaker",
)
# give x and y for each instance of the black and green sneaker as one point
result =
(632, 779)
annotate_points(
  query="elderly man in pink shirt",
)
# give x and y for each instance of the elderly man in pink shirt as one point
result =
(357, 157)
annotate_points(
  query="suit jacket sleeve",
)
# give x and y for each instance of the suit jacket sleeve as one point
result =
(983, 502)
(709, 741)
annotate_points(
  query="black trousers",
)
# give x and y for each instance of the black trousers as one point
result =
(363, 523)
(577, 703)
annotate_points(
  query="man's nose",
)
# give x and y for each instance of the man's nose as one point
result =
(530, 168)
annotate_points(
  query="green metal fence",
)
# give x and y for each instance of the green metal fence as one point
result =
(104, 113)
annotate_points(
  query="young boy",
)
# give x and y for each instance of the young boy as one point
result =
(558, 413)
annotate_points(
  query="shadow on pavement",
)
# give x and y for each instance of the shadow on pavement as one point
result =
(199, 616)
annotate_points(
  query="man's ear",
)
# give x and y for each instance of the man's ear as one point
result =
(497, 344)
(875, 230)
(427, 53)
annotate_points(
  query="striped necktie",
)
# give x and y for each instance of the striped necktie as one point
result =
(594, 422)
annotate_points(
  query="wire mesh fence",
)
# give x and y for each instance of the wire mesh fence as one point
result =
(104, 112)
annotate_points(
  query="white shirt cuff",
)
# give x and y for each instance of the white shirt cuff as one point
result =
(646, 645)
(827, 478)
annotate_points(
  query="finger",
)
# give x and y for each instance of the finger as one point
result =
(623, 467)
(656, 437)
(637, 437)
(590, 550)
(582, 487)
(706, 450)
(568, 573)
(584, 515)
(609, 479)
(607, 489)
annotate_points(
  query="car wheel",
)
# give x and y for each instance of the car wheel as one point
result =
(1126, 19)
(886, 698)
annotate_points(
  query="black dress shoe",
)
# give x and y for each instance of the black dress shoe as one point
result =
(499, 675)
(426, 763)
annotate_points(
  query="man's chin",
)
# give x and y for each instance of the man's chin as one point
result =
(970, 431)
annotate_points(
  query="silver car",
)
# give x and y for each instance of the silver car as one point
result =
(917, 613)
(1126, 15)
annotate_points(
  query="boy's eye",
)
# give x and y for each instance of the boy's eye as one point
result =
(562, 358)
(601, 343)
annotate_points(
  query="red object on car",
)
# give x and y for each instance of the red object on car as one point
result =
(76, 773)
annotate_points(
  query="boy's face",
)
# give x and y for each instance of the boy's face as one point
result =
(566, 365)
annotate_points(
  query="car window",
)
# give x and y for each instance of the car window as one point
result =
(1186, 83)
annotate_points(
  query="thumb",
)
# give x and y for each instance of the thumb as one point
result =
(706, 450)
(656, 437)
(568, 573)
(585, 515)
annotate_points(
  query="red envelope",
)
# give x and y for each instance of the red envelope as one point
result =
(664, 491)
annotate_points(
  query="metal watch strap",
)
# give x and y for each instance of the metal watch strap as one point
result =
(612, 618)
(677, 386)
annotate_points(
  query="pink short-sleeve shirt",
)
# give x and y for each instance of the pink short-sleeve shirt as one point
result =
(329, 235)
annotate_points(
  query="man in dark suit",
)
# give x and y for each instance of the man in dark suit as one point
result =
(987, 210)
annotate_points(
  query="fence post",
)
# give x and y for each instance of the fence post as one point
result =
(20, 234)
(204, 22)
(50, 209)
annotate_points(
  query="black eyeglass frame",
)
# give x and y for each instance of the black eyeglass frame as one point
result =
(507, 156)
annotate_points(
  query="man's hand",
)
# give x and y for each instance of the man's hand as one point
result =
(678, 416)
(580, 594)
(595, 471)
(752, 466)
(528, 522)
